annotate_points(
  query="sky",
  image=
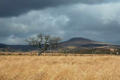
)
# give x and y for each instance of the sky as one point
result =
(93, 19)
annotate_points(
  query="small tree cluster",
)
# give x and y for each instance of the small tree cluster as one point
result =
(44, 42)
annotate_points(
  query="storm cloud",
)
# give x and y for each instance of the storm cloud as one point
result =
(10, 8)
(94, 19)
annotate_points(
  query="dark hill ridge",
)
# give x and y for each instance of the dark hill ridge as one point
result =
(2, 45)
(80, 39)
(82, 42)
(16, 47)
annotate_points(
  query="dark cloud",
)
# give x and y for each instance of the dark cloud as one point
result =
(16, 7)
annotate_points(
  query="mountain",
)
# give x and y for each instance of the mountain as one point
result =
(16, 47)
(21, 47)
(80, 42)
(2, 45)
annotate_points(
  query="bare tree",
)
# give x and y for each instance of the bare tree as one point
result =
(43, 42)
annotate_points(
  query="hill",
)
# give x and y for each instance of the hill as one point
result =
(5, 47)
(2, 45)
(80, 42)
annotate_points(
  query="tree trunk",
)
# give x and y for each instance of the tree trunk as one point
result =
(40, 52)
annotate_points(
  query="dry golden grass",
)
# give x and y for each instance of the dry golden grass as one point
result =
(60, 67)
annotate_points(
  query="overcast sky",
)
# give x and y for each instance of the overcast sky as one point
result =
(94, 19)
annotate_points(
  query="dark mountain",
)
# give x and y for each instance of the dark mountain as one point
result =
(16, 47)
(2, 45)
(80, 42)
(21, 47)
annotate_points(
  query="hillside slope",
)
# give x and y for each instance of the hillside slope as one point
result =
(83, 42)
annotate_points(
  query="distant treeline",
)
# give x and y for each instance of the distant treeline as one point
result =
(92, 51)
(72, 51)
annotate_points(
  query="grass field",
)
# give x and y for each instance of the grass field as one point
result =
(104, 67)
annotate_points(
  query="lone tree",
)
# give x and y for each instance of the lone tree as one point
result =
(44, 42)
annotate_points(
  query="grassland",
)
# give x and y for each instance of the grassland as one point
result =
(94, 67)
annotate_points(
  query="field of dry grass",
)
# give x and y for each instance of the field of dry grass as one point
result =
(87, 67)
